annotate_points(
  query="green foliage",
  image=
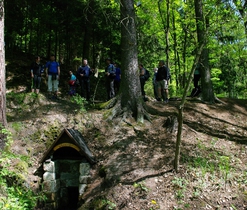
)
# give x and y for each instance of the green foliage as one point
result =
(180, 185)
(80, 102)
(102, 203)
(14, 191)
(17, 126)
(17, 98)
(99, 37)
(8, 138)
(140, 186)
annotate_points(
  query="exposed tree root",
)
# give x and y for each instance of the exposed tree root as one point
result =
(116, 111)
(112, 102)
(217, 100)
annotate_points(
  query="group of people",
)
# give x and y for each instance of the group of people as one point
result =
(112, 79)
(51, 69)
(160, 81)
(52, 72)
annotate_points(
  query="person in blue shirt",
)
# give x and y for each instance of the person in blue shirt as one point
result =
(110, 74)
(83, 75)
(52, 69)
(117, 79)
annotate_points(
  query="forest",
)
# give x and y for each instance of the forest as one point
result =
(165, 30)
(187, 154)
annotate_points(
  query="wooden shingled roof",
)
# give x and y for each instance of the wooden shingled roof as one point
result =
(70, 138)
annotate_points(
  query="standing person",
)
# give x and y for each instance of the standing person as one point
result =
(110, 74)
(142, 80)
(36, 71)
(155, 84)
(117, 79)
(162, 79)
(83, 75)
(72, 84)
(197, 75)
(52, 69)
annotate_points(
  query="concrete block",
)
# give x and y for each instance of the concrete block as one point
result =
(51, 186)
(49, 166)
(84, 179)
(47, 176)
(84, 169)
(82, 188)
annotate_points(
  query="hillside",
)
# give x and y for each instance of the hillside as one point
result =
(134, 167)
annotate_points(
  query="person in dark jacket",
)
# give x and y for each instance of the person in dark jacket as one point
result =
(36, 71)
(110, 74)
(197, 75)
(162, 80)
(142, 72)
(83, 75)
(117, 79)
(155, 84)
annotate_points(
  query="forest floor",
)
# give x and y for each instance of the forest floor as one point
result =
(134, 168)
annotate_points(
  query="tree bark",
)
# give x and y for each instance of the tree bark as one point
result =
(3, 119)
(129, 102)
(201, 25)
(181, 108)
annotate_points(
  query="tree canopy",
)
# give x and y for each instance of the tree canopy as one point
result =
(165, 30)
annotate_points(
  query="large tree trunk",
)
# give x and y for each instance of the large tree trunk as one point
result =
(166, 25)
(3, 120)
(207, 87)
(129, 101)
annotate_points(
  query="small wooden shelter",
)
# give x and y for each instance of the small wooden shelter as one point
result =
(66, 170)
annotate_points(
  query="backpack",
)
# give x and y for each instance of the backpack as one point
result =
(146, 75)
(113, 74)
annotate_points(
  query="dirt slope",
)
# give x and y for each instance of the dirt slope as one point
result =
(135, 163)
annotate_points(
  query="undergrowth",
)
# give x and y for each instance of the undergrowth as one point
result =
(208, 170)
(15, 192)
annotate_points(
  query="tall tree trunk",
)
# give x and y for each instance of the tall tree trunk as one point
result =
(3, 120)
(207, 87)
(183, 74)
(166, 25)
(167, 32)
(130, 102)
(176, 53)
(181, 108)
